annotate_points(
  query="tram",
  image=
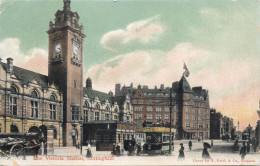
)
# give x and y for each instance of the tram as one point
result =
(157, 141)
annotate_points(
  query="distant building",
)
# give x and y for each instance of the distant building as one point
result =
(190, 111)
(220, 125)
(98, 106)
(215, 126)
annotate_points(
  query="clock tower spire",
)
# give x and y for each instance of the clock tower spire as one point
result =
(66, 6)
(65, 66)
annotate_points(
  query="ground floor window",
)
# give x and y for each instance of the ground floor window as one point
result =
(14, 129)
(200, 135)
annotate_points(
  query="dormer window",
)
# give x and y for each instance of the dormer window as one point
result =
(53, 97)
(86, 104)
(34, 94)
(97, 106)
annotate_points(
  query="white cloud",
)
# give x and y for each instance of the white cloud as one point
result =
(151, 67)
(35, 59)
(142, 31)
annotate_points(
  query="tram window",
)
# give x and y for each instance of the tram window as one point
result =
(164, 138)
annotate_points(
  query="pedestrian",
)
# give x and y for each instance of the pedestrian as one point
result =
(243, 151)
(139, 149)
(89, 153)
(248, 146)
(190, 144)
(205, 153)
(254, 144)
(131, 149)
(236, 147)
(181, 152)
(114, 150)
(118, 149)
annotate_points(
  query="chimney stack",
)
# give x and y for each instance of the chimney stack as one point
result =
(10, 65)
(89, 83)
(117, 89)
(162, 86)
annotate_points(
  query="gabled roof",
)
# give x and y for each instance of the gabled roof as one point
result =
(26, 76)
(93, 93)
(120, 100)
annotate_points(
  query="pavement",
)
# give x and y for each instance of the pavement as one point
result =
(221, 154)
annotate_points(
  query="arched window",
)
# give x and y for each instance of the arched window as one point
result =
(14, 129)
(13, 100)
(107, 109)
(14, 90)
(97, 106)
(53, 97)
(116, 110)
(86, 104)
(34, 94)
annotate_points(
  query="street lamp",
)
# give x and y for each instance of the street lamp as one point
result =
(170, 148)
(81, 134)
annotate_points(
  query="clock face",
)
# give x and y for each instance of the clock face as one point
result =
(57, 48)
(76, 49)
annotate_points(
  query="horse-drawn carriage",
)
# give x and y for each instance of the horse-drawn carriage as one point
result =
(19, 144)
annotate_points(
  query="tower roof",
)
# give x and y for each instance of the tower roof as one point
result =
(184, 85)
(66, 6)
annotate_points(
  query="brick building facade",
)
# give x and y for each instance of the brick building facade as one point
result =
(190, 111)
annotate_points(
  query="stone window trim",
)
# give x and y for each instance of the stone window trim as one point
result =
(34, 109)
(13, 105)
(53, 112)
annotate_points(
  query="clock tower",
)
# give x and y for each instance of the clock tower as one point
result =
(65, 68)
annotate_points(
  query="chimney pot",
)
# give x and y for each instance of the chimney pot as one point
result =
(10, 65)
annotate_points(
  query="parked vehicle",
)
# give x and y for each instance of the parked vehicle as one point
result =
(19, 144)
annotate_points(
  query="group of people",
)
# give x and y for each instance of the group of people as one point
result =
(205, 153)
(246, 147)
(117, 151)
